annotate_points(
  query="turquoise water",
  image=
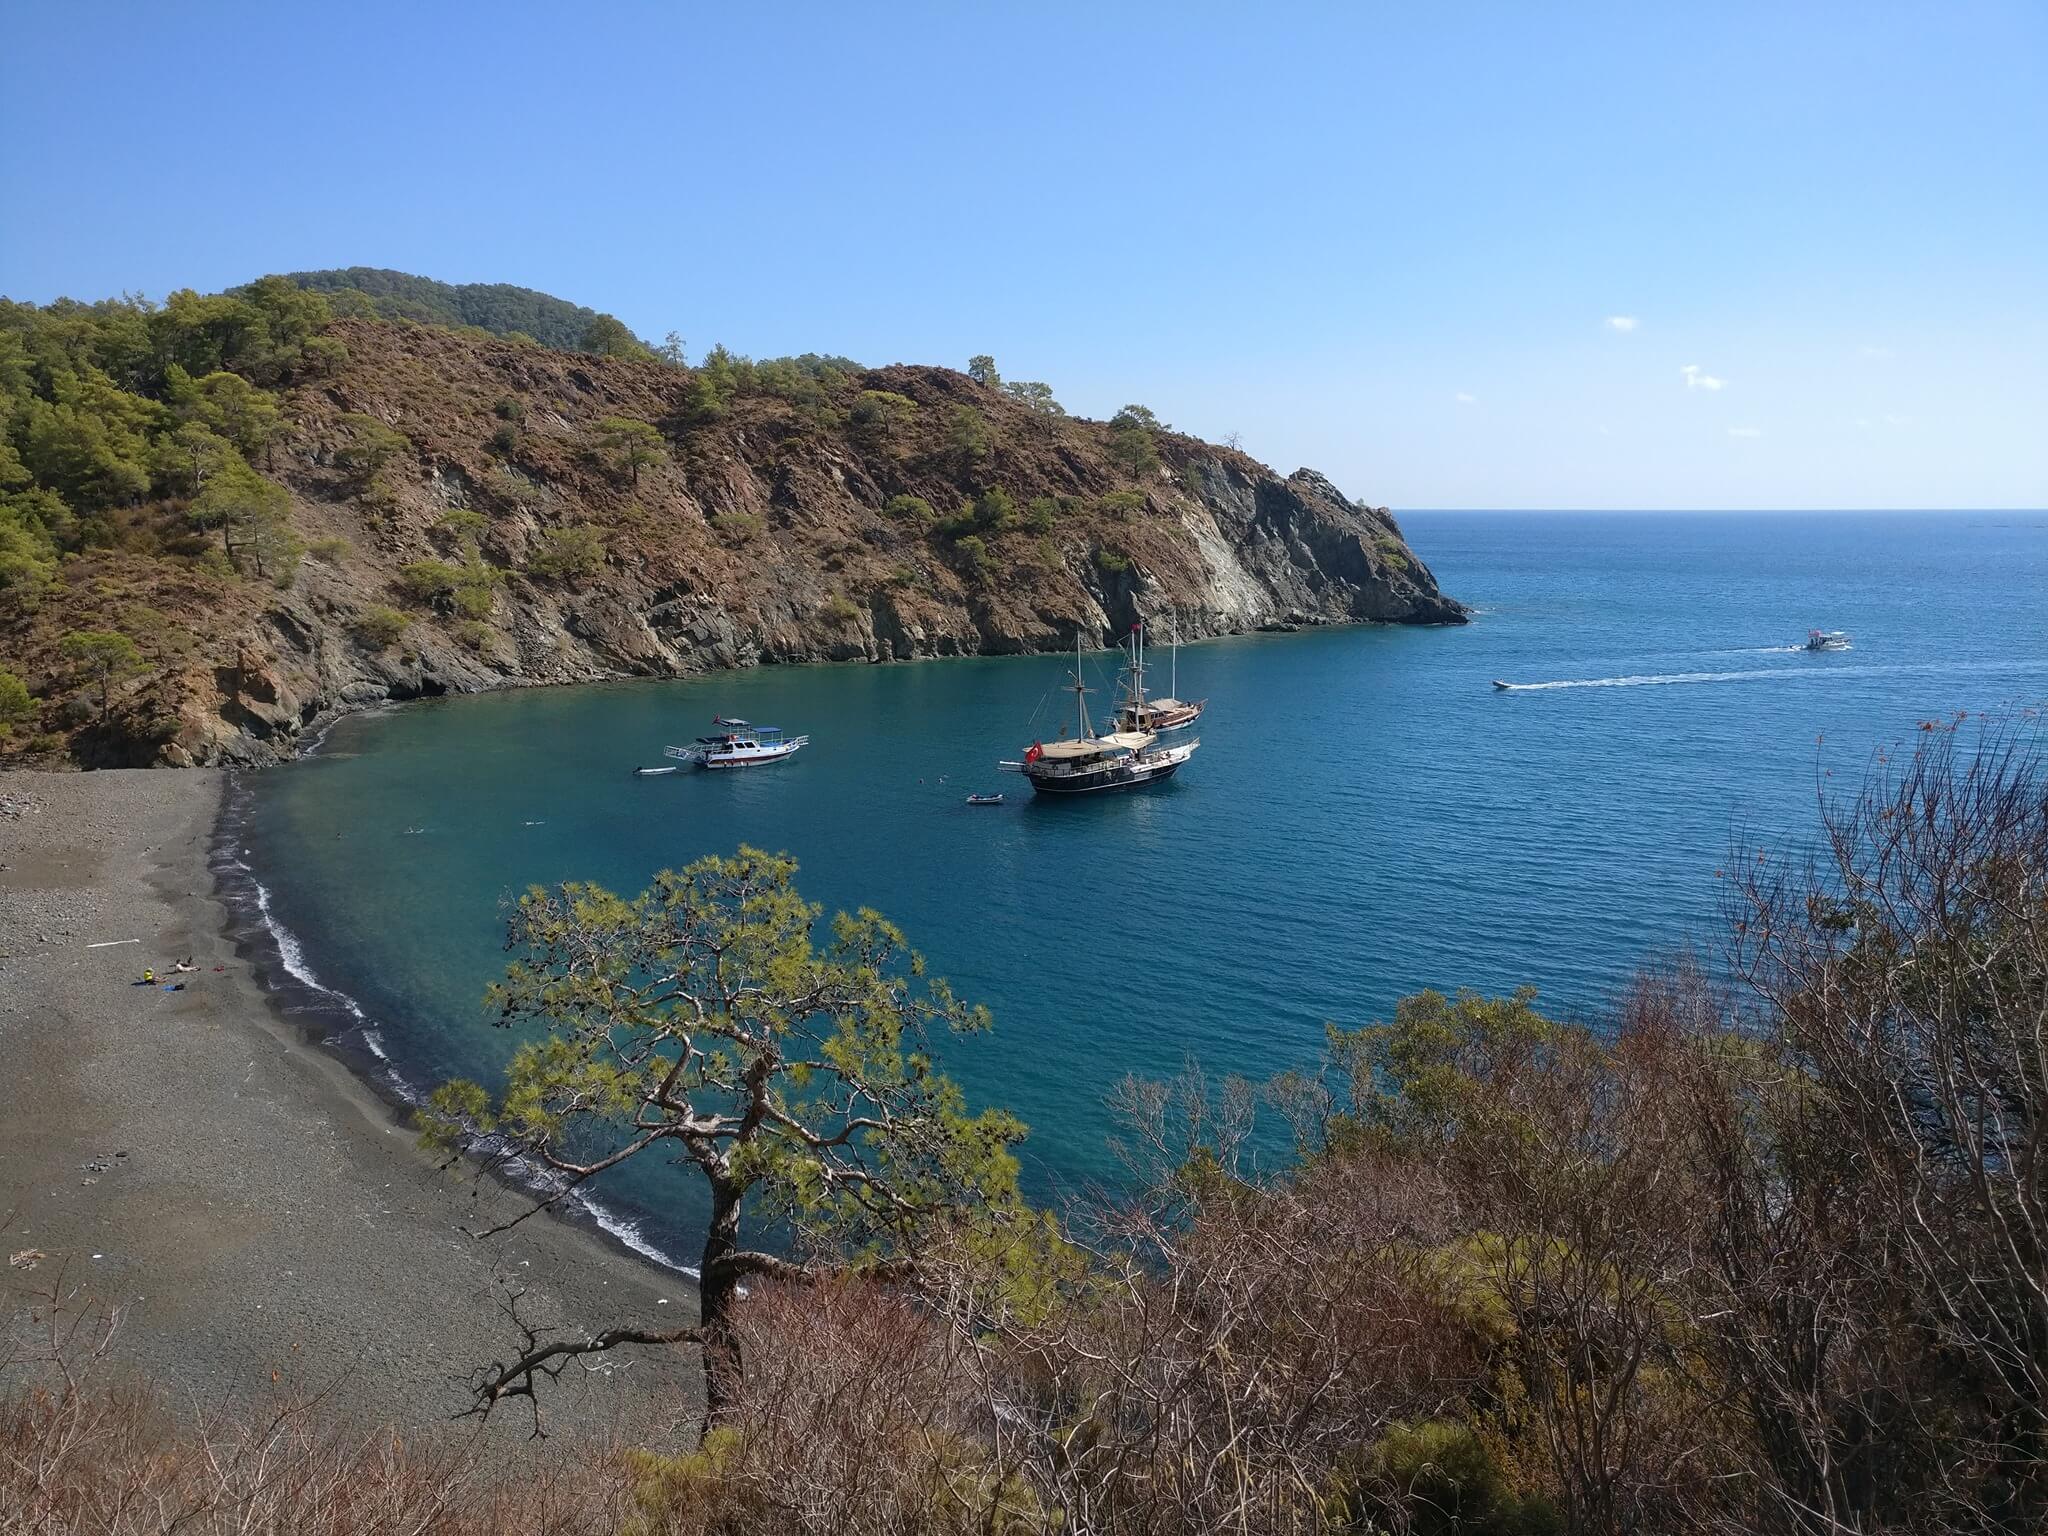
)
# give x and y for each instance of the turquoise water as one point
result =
(1367, 815)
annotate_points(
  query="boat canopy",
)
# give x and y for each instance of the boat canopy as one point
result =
(1098, 746)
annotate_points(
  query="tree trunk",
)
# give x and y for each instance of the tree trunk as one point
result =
(717, 1290)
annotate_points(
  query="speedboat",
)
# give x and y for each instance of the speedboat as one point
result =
(984, 799)
(739, 745)
(1503, 687)
(1826, 640)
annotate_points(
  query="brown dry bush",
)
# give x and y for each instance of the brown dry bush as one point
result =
(1883, 1255)
(858, 1412)
(84, 1449)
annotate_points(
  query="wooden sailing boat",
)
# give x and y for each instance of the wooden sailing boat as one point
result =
(1137, 713)
(1089, 763)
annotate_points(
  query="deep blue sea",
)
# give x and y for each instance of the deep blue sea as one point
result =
(1367, 815)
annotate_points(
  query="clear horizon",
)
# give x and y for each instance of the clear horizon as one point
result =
(1596, 259)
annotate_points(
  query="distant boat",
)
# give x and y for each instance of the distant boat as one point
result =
(650, 773)
(739, 745)
(1503, 687)
(984, 799)
(1826, 640)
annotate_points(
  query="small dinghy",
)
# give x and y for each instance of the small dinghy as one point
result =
(984, 799)
(650, 773)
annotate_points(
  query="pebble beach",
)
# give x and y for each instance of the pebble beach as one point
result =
(258, 1221)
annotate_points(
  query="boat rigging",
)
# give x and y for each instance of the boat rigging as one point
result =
(1088, 763)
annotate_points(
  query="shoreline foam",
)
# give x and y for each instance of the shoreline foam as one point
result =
(300, 998)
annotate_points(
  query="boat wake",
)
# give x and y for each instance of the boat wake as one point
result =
(1648, 680)
(1781, 674)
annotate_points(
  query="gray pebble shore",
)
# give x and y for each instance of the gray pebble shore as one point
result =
(259, 1219)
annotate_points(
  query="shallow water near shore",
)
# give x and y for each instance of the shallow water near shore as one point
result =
(1367, 814)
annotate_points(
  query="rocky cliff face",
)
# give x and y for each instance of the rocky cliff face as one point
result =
(776, 529)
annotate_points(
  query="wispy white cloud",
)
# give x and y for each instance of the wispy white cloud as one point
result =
(1745, 431)
(1622, 323)
(1696, 379)
(1897, 421)
(1860, 423)
(1465, 399)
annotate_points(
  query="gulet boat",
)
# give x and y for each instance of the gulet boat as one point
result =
(1092, 764)
(1138, 713)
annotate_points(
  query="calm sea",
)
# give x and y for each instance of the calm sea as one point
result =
(1367, 815)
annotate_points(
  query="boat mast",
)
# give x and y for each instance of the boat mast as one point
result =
(1137, 699)
(1173, 676)
(1080, 690)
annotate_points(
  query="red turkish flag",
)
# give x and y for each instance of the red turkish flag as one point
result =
(1035, 753)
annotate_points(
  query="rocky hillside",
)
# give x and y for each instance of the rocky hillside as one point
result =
(476, 513)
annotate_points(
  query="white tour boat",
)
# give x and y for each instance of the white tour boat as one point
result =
(737, 744)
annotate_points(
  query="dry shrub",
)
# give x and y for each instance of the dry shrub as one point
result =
(83, 1450)
(1217, 1366)
(1880, 1268)
(1246, 1350)
(858, 1413)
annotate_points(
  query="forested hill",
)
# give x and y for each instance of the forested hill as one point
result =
(227, 516)
(500, 308)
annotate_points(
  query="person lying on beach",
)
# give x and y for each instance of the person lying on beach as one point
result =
(185, 965)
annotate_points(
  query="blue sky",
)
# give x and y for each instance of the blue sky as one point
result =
(1395, 242)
